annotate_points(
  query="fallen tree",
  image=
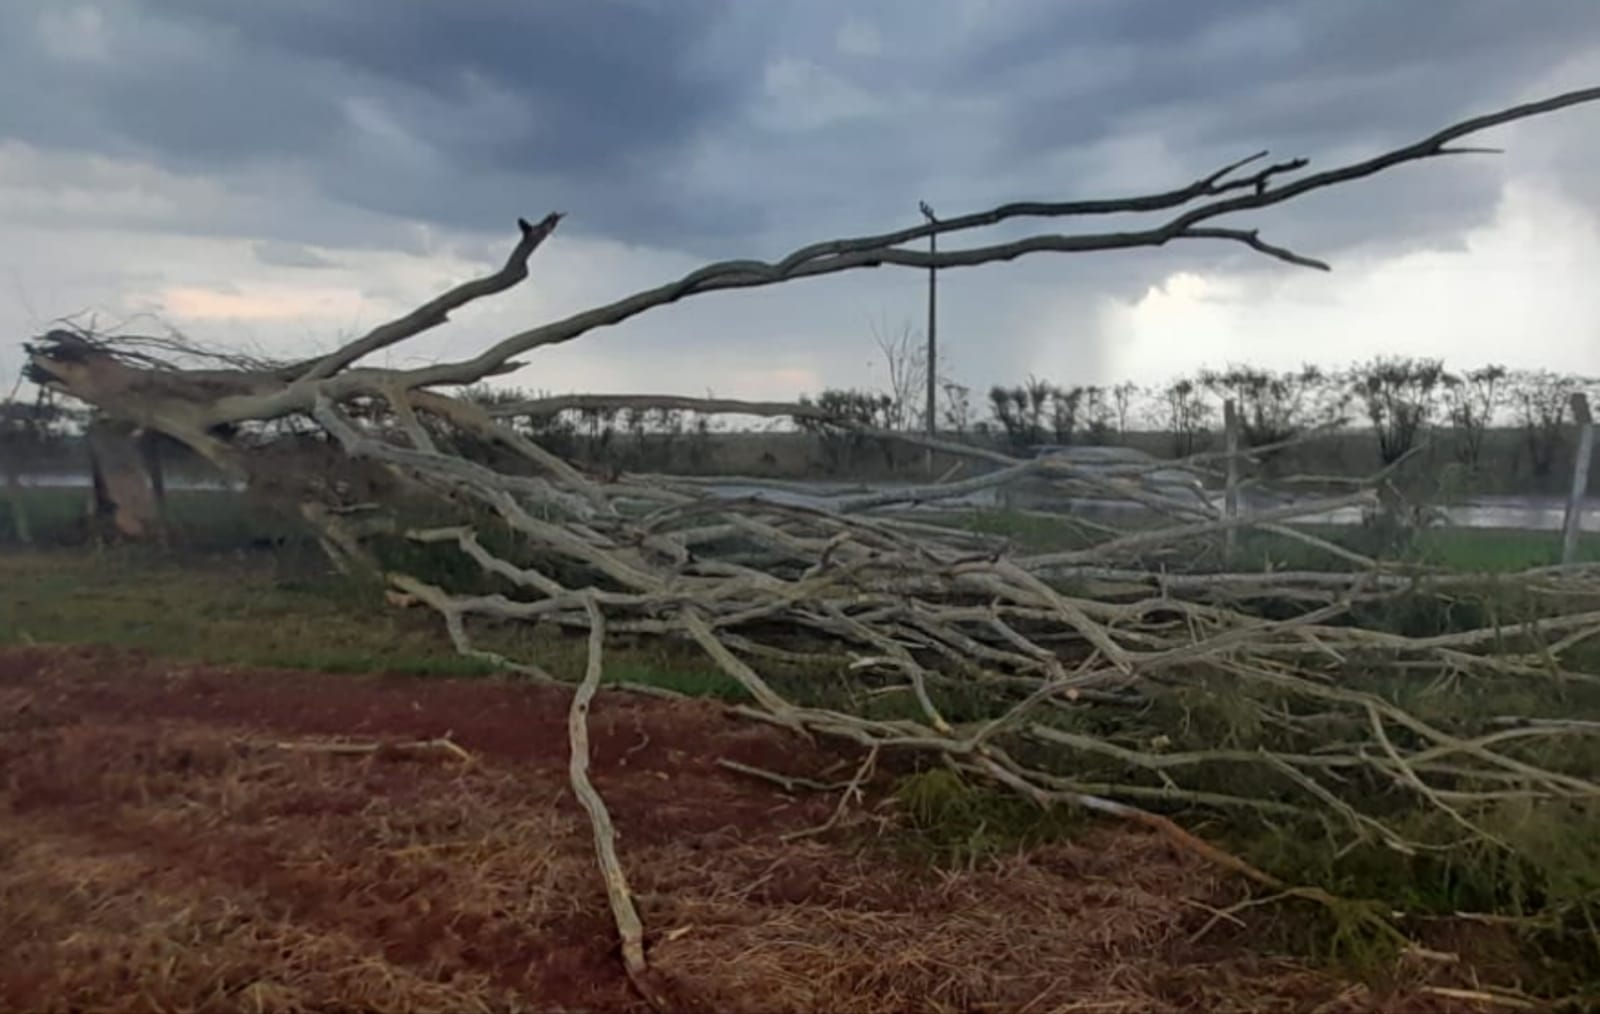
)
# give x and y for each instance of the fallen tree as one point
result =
(1086, 676)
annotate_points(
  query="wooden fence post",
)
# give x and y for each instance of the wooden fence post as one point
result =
(1573, 523)
(1230, 495)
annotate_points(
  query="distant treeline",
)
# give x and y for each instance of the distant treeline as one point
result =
(1503, 430)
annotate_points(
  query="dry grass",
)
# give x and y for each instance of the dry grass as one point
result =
(127, 934)
(1101, 924)
(196, 873)
(1018, 935)
(159, 856)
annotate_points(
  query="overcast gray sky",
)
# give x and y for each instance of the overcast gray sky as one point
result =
(282, 175)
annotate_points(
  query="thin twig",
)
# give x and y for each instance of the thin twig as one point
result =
(852, 790)
(442, 744)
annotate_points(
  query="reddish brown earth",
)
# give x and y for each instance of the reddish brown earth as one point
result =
(170, 841)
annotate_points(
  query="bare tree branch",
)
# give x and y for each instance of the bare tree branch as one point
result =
(1252, 239)
(842, 255)
(710, 406)
(243, 396)
(437, 311)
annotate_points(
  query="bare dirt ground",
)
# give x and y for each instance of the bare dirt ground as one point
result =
(170, 842)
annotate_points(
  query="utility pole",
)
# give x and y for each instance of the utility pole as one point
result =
(932, 421)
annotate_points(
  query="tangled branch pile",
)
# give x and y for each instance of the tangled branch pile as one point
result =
(1086, 676)
(1072, 676)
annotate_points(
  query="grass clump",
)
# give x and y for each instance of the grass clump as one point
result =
(954, 823)
(1527, 910)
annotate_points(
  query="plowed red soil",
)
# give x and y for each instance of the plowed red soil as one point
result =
(173, 840)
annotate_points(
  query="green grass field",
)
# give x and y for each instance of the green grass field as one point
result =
(225, 608)
(244, 609)
(210, 596)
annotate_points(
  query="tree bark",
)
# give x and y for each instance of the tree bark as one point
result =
(125, 494)
(150, 456)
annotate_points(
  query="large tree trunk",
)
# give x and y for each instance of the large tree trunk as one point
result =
(150, 443)
(124, 491)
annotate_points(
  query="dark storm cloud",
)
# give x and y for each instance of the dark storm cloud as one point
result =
(462, 113)
(1302, 77)
(598, 87)
(123, 79)
(1295, 70)
(714, 125)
